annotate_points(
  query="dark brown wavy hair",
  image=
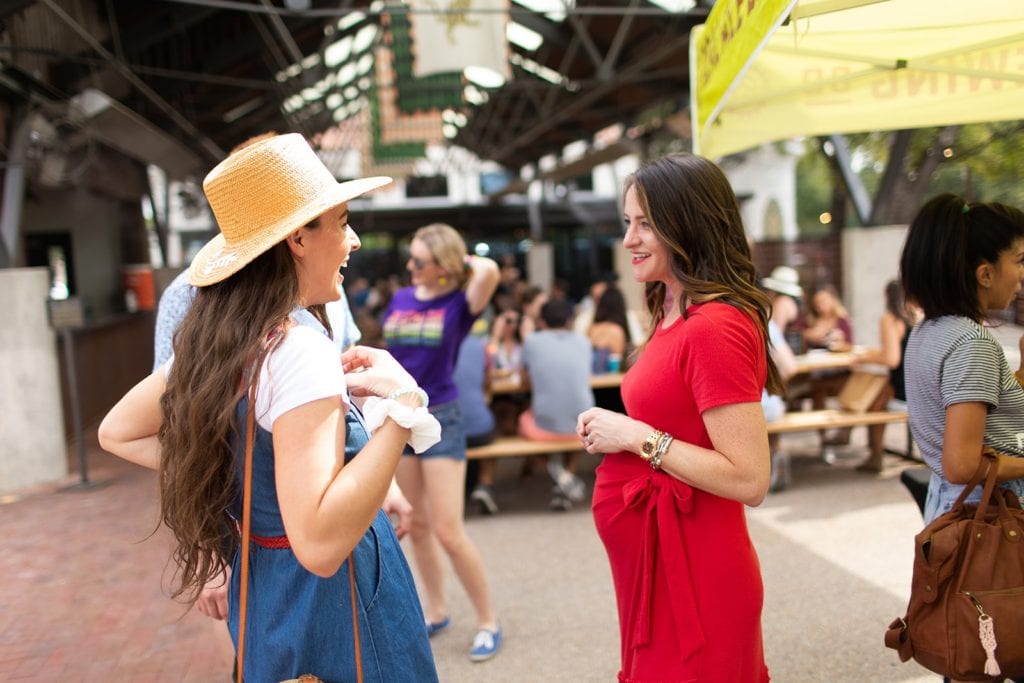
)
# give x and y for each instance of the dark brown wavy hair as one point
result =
(947, 241)
(692, 209)
(221, 336)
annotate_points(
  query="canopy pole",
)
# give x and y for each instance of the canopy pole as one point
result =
(840, 160)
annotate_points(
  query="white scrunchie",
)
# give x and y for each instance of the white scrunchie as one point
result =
(426, 430)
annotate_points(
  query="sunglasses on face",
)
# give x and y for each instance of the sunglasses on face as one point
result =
(419, 263)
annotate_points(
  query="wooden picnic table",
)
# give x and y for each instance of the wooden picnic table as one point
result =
(828, 360)
(515, 384)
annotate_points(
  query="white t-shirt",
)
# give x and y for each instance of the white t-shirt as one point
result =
(305, 367)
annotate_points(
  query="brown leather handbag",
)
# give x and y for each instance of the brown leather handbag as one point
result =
(965, 619)
(250, 426)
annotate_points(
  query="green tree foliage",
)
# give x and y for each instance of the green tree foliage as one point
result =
(900, 169)
(814, 184)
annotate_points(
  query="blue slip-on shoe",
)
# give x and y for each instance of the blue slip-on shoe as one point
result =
(435, 627)
(485, 645)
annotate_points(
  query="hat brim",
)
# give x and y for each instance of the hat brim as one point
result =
(782, 287)
(218, 260)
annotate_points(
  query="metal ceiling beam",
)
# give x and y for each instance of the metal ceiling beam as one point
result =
(282, 64)
(174, 74)
(580, 29)
(284, 34)
(583, 100)
(612, 56)
(155, 27)
(184, 124)
(597, 11)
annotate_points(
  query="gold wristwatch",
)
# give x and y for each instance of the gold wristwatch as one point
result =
(650, 446)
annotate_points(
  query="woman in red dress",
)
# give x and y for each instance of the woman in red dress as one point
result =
(692, 449)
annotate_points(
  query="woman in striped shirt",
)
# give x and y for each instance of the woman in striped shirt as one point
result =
(960, 261)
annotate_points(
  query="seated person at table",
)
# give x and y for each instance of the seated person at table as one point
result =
(893, 330)
(609, 333)
(784, 291)
(505, 365)
(505, 349)
(557, 360)
(774, 406)
(828, 323)
(530, 302)
(470, 377)
(828, 327)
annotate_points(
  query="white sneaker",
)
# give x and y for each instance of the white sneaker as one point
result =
(559, 501)
(482, 497)
(571, 486)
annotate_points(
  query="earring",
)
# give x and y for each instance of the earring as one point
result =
(443, 280)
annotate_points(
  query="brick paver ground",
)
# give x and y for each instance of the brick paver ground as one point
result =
(83, 592)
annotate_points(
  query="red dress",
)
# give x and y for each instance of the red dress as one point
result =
(687, 579)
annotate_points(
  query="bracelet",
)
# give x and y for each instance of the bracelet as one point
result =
(402, 391)
(425, 430)
(663, 443)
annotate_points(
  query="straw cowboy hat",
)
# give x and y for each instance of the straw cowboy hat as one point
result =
(783, 280)
(262, 193)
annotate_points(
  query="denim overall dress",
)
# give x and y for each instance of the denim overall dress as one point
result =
(300, 623)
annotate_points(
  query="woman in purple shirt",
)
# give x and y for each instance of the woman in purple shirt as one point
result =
(423, 327)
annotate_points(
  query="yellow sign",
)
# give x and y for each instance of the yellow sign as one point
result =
(722, 47)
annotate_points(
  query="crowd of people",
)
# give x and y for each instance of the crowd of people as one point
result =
(291, 458)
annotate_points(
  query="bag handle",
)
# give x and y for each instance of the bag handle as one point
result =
(987, 472)
(992, 458)
(250, 427)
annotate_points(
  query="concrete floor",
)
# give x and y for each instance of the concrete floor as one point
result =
(83, 600)
(836, 553)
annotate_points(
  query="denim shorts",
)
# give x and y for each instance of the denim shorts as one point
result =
(453, 433)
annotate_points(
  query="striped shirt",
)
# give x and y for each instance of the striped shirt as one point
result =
(952, 359)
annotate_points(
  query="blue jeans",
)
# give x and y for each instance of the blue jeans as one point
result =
(453, 433)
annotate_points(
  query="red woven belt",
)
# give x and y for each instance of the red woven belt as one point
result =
(273, 542)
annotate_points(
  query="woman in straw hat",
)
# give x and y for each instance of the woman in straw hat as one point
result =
(257, 323)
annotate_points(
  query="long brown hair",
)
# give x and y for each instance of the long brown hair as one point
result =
(692, 209)
(219, 339)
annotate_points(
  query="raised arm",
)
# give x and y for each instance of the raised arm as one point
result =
(483, 280)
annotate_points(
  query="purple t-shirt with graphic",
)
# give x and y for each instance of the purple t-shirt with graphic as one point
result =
(424, 336)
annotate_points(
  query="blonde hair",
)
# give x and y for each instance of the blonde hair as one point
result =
(447, 248)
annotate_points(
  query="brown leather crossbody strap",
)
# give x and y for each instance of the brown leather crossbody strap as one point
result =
(355, 616)
(243, 589)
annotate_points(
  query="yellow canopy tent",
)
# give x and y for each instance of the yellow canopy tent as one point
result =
(764, 70)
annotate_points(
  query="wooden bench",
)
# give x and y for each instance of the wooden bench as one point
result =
(857, 394)
(813, 420)
(508, 446)
(513, 446)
